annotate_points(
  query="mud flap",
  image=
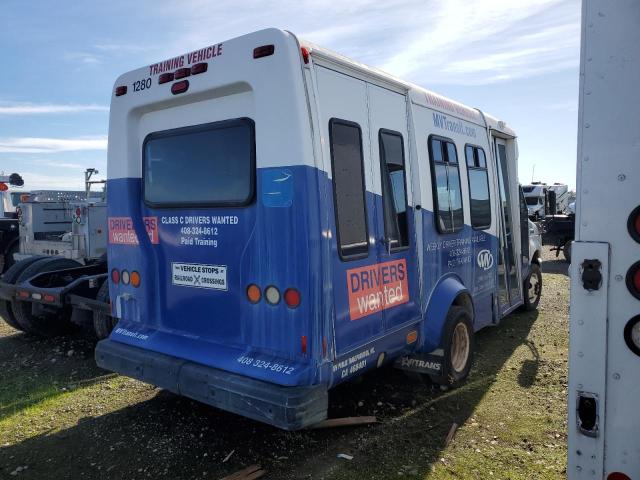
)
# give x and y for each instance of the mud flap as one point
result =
(427, 363)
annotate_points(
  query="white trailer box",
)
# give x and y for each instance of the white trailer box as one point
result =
(604, 359)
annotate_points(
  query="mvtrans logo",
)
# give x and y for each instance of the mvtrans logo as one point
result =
(485, 259)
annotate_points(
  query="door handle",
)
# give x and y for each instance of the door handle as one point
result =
(387, 243)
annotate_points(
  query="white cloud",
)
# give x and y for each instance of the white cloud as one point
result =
(51, 145)
(464, 42)
(10, 108)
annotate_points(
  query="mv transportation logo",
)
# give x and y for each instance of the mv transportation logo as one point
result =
(485, 259)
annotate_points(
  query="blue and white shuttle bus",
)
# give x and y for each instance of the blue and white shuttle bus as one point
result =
(283, 219)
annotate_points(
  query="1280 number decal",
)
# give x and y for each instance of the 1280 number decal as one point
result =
(141, 84)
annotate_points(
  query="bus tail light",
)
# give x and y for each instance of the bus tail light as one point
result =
(23, 294)
(199, 68)
(263, 51)
(272, 295)
(135, 279)
(125, 277)
(115, 276)
(633, 224)
(292, 297)
(253, 293)
(180, 87)
(618, 476)
(47, 297)
(632, 334)
(121, 90)
(633, 280)
(165, 77)
(303, 344)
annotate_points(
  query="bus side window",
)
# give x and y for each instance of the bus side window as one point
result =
(478, 187)
(347, 164)
(394, 196)
(445, 175)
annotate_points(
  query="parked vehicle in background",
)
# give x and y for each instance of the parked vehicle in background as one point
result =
(283, 219)
(536, 197)
(604, 347)
(543, 200)
(58, 278)
(9, 199)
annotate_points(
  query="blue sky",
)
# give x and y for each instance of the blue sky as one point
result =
(517, 60)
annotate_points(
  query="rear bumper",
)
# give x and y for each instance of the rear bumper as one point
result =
(289, 408)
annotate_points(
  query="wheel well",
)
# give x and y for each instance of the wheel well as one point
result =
(464, 300)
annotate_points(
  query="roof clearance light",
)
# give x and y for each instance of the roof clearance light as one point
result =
(272, 294)
(121, 90)
(115, 276)
(180, 87)
(135, 279)
(633, 224)
(263, 51)
(305, 54)
(165, 77)
(292, 297)
(253, 293)
(199, 68)
(181, 73)
(633, 280)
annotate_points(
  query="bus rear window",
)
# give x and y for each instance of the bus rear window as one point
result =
(204, 165)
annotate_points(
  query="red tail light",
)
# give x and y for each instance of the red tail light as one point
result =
(180, 87)
(78, 212)
(199, 68)
(121, 90)
(633, 280)
(633, 224)
(263, 51)
(47, 297)
(165, 77)
(115, 276)
(292, 297)
(303, 344)
(305, 54)
(618, 476)
(23, 294)
(181, 73)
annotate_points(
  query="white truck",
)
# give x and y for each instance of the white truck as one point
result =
(604, 351)
(543, 200)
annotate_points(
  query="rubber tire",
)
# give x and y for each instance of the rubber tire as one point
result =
(528, 305)
(10, 276)
(103, 323)
(449, 376)
(8, 257)
(45, 325)
(566, 250)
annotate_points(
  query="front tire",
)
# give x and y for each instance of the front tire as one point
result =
(458, 344)
(533, 288)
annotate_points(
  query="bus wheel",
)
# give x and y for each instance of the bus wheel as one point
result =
(103, 323)
(533, 288)
(44, 324)
(458, 343)
(566, 251)
(10, 276)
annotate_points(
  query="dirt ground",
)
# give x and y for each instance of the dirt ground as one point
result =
(62, 417)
